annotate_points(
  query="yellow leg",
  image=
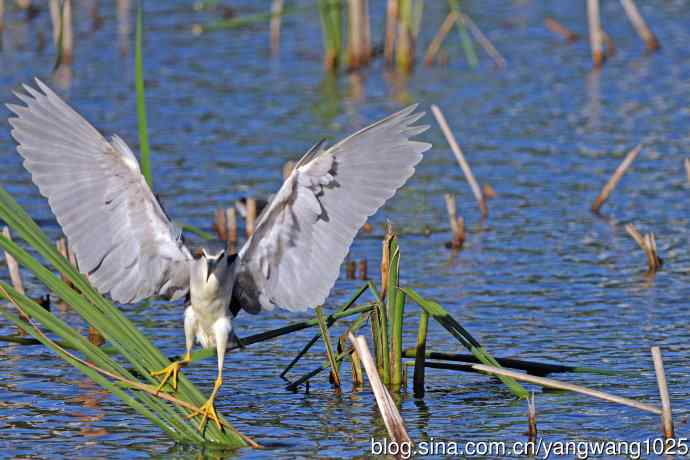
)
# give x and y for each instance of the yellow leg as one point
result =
(171, 371)
(208, 410)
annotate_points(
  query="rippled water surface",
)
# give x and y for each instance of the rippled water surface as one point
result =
(541, 279)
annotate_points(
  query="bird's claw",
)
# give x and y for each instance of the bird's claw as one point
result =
(207, 411)
(169, 372)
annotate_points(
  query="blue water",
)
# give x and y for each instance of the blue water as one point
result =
(541, 279)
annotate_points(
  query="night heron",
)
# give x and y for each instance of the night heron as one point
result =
(128, 247)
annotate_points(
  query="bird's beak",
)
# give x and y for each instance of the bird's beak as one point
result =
(210, 265)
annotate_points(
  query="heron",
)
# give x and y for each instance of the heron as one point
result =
(129, 248)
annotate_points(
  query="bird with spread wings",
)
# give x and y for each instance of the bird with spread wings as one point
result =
(128, 247)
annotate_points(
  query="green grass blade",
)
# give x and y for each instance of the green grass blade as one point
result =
(144, 149)
(463, 336)
(329, 347)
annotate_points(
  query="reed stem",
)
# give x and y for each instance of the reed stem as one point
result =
(329, 347)
(441, 120)
(595, 36)
(420, 355)
(666, 415)
(640, 25)
(389, 411)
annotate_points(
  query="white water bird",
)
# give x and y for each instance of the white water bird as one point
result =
(128, 247)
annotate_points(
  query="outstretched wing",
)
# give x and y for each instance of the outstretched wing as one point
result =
(294, 256)
(117, 229)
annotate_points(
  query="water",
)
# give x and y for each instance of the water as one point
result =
(542, 279)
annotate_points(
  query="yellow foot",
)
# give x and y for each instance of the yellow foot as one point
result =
(207, 411)
(170, 372)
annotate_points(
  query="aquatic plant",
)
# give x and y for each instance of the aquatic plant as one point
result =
(130, 382)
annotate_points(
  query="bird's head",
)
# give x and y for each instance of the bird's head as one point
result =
(216, 263)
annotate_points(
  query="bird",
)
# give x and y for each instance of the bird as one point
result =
(128, 247)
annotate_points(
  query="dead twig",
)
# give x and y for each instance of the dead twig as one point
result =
(457, 224)
(615, 178)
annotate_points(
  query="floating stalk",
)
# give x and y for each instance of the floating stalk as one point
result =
(615, 178)
(551, 383)
(666, 416)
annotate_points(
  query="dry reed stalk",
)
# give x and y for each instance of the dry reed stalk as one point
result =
(595, 36)
(648, 244)
(13, 266)
(640, 25)
(405, 52)
(363, 270)
(391, 27)
(615, 178)
(666, 416)
(368, 228)
(351, 270)
(389, 412)
(558, 28)
(687, 168)
(220, 224)
(357, 372)
(488, 192)
(457, 224)
(441, 120)
(436, 43)
(62, 249)
(276, 19)
(62, 29)
(2, 19)
(359, 48)
(610, 48)
(531, 419)
(551, 383)
(123, 26)
(483, 40)
(250, 218)
(231, 229)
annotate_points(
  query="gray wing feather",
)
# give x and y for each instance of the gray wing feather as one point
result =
(117, 229)
(302, 238)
